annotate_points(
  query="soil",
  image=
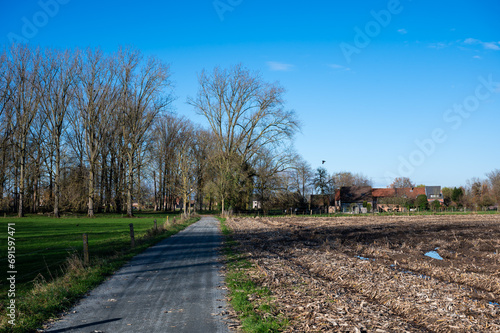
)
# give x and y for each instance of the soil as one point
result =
(371, 274)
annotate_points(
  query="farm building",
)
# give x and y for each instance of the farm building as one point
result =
(395, 199)
(364, 199)
(354, 199)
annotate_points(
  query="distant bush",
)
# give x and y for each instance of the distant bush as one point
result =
(421, 203)
(436, 205)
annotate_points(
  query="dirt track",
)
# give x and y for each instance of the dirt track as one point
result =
(370, 274)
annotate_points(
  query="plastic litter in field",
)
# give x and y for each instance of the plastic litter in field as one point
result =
(363, 258)
(434, 254)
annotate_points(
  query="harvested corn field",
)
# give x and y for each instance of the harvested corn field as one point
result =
(378, 274)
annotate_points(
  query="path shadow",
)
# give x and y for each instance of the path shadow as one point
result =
(84, 325)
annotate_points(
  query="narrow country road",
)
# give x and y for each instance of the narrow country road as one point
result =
(174, 286)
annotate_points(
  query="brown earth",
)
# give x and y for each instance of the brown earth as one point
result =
(370, 274)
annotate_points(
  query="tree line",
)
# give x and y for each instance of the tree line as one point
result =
(476, 194)
(82, 130)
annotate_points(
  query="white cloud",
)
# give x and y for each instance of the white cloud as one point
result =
(279, 66)
(402, 31)
(492, 46)
(477, 57)
(472, 41)
(487, 45)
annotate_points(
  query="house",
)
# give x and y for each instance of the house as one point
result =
(359, 199)
(395, 199)
(434, 193)
(353, 199)
(256, 204)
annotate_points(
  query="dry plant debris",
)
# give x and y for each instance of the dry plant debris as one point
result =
(370, 274)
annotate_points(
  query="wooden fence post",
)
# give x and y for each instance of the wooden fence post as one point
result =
(156, 226)
(132, 239)
(86, 259)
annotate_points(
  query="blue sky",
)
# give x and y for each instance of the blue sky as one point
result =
(383, 88)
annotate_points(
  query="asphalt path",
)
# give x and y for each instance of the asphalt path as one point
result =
(174, 286)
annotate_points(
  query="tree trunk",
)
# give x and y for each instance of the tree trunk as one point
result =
(16, 186)
(222, 212)
(20, 212)
(57, 178)
(2, 171)
(36, 178)
(165, 189)
(102, 187)
(91, 192)
(117, 180)
(109, 183)
(139, 194)
(185, 205)
(130, 187)
(154, 185)
(51, 181)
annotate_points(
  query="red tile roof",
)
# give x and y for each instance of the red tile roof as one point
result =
(383, 192)
(409, 192)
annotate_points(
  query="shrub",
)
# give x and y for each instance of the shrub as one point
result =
(421, 203)
(436, 205)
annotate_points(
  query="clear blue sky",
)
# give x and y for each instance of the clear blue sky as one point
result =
(384, 88)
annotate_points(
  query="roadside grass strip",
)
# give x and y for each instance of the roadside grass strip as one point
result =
(254, 304)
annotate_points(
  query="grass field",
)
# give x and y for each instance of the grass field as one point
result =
(46, 248)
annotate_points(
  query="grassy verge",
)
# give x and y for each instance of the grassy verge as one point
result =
(253, 303)
(43, 298)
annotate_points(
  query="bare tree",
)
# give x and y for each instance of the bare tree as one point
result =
(245, 113)
(270, 173)
(494, 179)
(56, 85)
(38, 153)
(24, 66)
(5, 119)
(346, 179)
(402, 182)
(168, 141)
(302, 176)
(227, 173)
(186, 163)
(202, 150)
(473, 192)
(95, 101)
(143, 98)
(5, 82)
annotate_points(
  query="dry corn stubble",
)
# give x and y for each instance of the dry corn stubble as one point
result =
(370, 273)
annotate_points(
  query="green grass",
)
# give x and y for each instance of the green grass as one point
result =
(255, 316)
(44, 243)
(50, 272)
